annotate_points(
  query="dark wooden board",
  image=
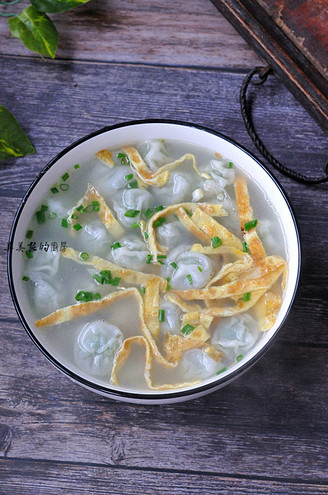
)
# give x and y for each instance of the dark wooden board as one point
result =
(280, 35)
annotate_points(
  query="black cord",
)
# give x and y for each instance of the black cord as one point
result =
(263, 73)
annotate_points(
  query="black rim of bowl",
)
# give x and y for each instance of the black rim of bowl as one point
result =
(221, 381)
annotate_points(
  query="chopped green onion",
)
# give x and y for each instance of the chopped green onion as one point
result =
(65, 176)
(84, 256)
(188, 212)
(54, 190)
(159, 222)
(106, 276)
(216, 242)
(98, 278)
(160, 262)
(95, 205)
(29, 234)
(133, 184)
(64, 187)
(116, 281)
(135, 225)
(44, 208)
(230, 165)
(124, 158)
(97, 296)
(199, 268)
(88, 208)
(148, 213)
(64, 223)
(168, 287)
(84, 296)
(131, 213)
(146, 235)
(129, 177)
(26, 279)
(159, 208)
(247, 296)
(40, 216)
(29, 254)
(189, 277)
(143, 290)
(174, 265)
(187, 329)
(245, 248)
(52, 215)
(250, 225)
(77, 166)
(77, 227)
(168, 279)
(80, 208)
(239, 358)
(116, 245)
(74, 216)
(161, 256)
(222, 370)
(161, 315)
(149, 258)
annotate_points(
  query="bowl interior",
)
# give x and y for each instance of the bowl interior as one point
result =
(125, 134)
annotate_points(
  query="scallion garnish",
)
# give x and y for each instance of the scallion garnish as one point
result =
(149, 258)
(131, 213)
(160, 262)
(199, 268)
(44, 208)
(65, 176)
(124, 158)
(161, 315)
(77, 166)
(148, 213)
(189, 277)
(64, 223)
(188, 212)
(97, 296)
(84, 256)
(95, 205)
(129, 177)
(107, 276)
(250, 225)
(161, 256)
(159, 222)
(159, 208)
(174, 265)
(187, 329)
(26, 279)
(135, 225)
(29, 234)
(52, 215)
(116, 281)
(216, 242)
(247, 296)
(29, 254)
(168, 287)
(74, 216)
(245, 248)
(133, 184)
(77, 227)
(116, 245)
(143, 290)
(239, 358)
(40, 216)
(230, 165)
(80, 208)
(85, 296)
(222, 370)
(64, 187)
(98, 278)
(146, 235)
(54, 190)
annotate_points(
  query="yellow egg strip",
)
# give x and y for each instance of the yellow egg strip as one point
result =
(151, 306)
(267, 310)
(212, 228)
(106, 157)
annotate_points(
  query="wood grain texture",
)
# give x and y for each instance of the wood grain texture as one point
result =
(189, 33)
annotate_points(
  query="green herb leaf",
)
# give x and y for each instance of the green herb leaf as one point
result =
(239, 358)
(13, 140)
(131, 213)
(116, 281)
(84, 256)
(29, 234)
(77, 227)
(216, 242)
(159, 222)
(106, 276)
(247, 296)
(161, 315)
(187, 329)
(245, 247)
(149, 258)
(98, 278)
(55, 6)
(189, 277)
(35, 30)
(250, 225)
(143, 290)
(116, 245)
(26, 279)
(133, 184)
(174, 265)
(64, 223)
(222, 370)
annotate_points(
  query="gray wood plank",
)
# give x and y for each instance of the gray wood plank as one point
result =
(189, 32)
(40, 478)
(269, 422)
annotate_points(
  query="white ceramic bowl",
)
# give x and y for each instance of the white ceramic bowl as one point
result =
(127, 133)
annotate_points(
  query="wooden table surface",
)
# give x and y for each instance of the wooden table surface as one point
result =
(267, 432)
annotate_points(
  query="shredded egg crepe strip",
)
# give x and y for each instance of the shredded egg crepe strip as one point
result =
(126, 274)
(212, 228)
(105, 214)
(123, 354)
(106, 157)
(216, 210)
(151, 305)
(240, 307)
(160, 177)
(270, 273)
(175, 345)
(267, 310)
(245, 213)
(183, 305)
(221, 250)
